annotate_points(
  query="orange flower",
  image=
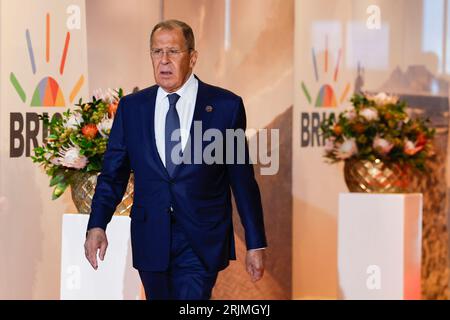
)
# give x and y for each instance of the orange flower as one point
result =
(337, 130)
(421, 140)
(112, 109)
(89, 131)
(359, 128)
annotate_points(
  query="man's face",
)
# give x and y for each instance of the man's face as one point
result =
(171, 70)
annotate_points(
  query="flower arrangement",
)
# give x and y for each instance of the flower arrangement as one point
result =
(378, 127)
(77, 141)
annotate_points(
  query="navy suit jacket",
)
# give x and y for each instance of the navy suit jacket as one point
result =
(199, 193)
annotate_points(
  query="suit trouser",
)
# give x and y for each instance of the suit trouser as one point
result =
(186, 277)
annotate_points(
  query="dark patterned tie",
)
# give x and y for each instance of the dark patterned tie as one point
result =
(172, 124)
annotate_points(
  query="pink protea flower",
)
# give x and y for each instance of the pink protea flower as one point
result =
(347, 149)
(74, 121)
(350, 113)
(109, 95)
(382, 98)
(70, 157)
(411, 148)
(104, 127)
(370, 114)
(383, 146)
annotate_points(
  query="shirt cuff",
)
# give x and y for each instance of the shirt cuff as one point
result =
(263, 248)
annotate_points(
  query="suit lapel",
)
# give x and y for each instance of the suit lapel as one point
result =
(148, 125)
(201, 115)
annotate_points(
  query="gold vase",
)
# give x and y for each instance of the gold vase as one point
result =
(83, 187)
(379, 177)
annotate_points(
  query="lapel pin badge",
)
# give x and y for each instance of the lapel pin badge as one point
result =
(209, 108)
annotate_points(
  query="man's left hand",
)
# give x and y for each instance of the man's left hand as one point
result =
(255, 263)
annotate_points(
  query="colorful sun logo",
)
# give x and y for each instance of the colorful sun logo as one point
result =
(48, 92)
(326, 97)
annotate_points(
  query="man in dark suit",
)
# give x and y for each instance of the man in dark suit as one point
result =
(181, 221)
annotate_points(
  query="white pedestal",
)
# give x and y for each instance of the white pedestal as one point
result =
(379, 246)
(115, 277)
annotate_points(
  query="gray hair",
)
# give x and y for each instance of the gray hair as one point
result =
(176, 24)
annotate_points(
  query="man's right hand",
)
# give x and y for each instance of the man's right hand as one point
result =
(95, 240)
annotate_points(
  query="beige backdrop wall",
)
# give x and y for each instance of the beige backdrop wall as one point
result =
(30, 227)
(401, 56)
(118, 43)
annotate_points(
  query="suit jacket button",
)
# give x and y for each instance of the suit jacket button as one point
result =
(170, 209)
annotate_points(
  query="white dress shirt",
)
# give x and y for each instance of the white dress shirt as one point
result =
(185, 107)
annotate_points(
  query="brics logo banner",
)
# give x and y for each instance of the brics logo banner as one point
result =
(47, 92)
(321, 94)
(47, 70)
